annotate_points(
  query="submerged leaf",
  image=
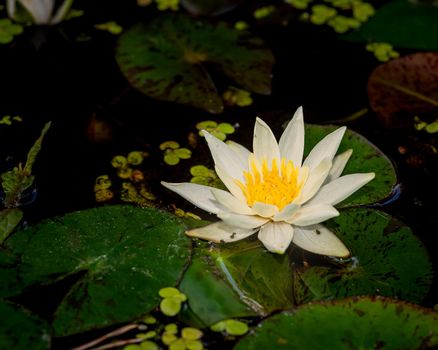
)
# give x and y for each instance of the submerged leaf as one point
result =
(121, 257)
(405, 87)
(166, 58)
(355, 323)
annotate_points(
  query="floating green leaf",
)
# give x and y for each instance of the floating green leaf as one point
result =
(236, 280)
(21, 330)
(8, 30)
(403, 23)
(387, 259)
(121, 257)
(355, 323)
(165, 60)
(365, 158)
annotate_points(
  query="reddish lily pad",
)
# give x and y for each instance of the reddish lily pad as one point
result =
(405, 87)
(354, 323)
(165, 59)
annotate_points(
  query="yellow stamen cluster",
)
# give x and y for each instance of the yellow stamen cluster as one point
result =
(277, 186)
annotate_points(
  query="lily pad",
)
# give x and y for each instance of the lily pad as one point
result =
(403, 23)
(354, 323)
(22, 330)
(365, 158)
(387, 259)
(165, 59)
(404, 88)
(121, 257)
(237, 280)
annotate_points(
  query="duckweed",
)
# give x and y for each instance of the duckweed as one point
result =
(8, 30)
(219, 131)
(164, 5)
(237, 97)
(173, 153)
(111, 27)
(382, 51)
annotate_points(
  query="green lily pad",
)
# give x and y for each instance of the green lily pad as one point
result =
(21, 330)
(165, 59)
(354, 323)
(387, 259)
(237, 280)
(402, 23)
(121, 256)
(365, 158)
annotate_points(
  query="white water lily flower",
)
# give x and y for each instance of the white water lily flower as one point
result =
(42, 11)
(274, 193)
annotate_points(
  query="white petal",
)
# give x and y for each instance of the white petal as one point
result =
(313, 214)
(242, 221)
(292, 141)
(264, 144)
(242, 152)
(336, 191)
(41, 10)
(61, 12)
(265, 210)
(320, 240)
(276, 236)
(325, 149)
(10, 8)
(286, 213)
(225, 158)
(315, 180)
(231, 203)
(339, 163)
(198, 195)
(230, 184)
(220, 232)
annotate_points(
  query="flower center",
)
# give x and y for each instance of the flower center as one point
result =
(277, 186)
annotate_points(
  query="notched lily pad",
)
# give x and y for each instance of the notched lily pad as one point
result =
(404, 88)
(165, 59)
(354, 323)
(22, 330)
(387, 259)
(121, 257)
(365, 158)
(244, 273)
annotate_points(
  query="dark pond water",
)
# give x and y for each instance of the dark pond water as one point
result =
(48, 75)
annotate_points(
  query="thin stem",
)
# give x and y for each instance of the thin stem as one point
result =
(115, 333)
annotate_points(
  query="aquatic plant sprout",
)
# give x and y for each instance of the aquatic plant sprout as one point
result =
(273, 192)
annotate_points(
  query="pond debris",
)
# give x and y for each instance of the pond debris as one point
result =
(111, 27)
(8, 30)
(382, 51)
(263, 12)
(340, 15)
(173, 153)
(237, 97)
(218, 130)
(133, 188)
(164, 5)
(430, 128)
(8, 120)
(241, 25)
